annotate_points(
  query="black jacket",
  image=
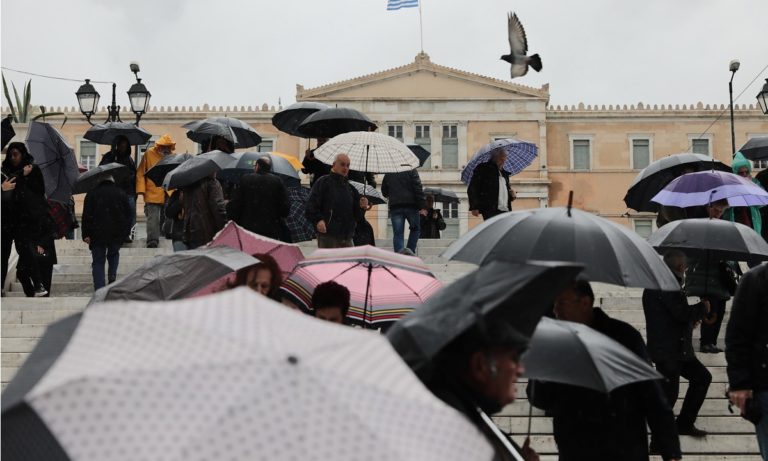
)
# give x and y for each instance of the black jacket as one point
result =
(314, 167)
(669, 321)
(483, 189)
(259, 204)
(589, 425)
(403, 190)
(25, 210)
(336, 202)
(431, 226)
(106, 214)
(746, 337)
(173, 227)
(129, 183)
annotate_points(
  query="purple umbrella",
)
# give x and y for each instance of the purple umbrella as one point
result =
(520, 154)
(704, 187)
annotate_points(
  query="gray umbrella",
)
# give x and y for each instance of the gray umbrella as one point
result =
(55, 159)
(202, 131)
(197, 168)
(176, 275)
(157, 173)
(91, 178)
(105, 133)
(756, 148)
(519, 294)
(716, 238)
(572, 353)
(442, 195)
(609, 252)
(374, 196)
(245, 135)
(246, 160)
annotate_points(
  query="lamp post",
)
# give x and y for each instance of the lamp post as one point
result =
(733, 67)
(762, 98)
(88, 99)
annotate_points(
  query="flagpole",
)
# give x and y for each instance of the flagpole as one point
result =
(421, 28)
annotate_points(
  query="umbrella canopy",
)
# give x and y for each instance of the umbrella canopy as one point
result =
(292, 159)
(519, 294)
(91, 178)
(369, 152)
(232, 373)
(197, 168)
(289, 119)
(442, 195)
(334, 121)
(520, 154)
(175, 275)
(105, 133)
(374, 196)
(383, 285)
(157, 173)
(705, 187)
(245, 135)
(300, 228)
(723, 240)
(55, 159)
(421, 153)
(572, 353)
(609, 252)
(245, 161)
(659, 173)
(202, 131)
(756, 148)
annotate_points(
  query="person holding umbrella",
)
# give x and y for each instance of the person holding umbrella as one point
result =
(489, 190)
(260, 203)
(432, 222)
(749, 216)
(121, 153)
(204, 211)
(154, 194)
(312, 166)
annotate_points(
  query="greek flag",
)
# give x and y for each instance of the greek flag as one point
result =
(397, 4)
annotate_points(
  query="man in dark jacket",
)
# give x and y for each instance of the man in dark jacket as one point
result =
(204, 211)
(589, 425)
(106, 223)
(406, 203)
(746, 348)
(489, 190)
(432, 222)
(121, 153)
(314, 167)
(334, 206)
(261, 201)
(670, 322)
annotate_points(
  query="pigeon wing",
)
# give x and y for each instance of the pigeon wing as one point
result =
(518, 44)
(518, 70)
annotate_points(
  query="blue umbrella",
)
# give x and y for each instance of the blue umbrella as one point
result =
(705, 187)
(520, 154)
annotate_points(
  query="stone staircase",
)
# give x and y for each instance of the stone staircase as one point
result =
(24, 320)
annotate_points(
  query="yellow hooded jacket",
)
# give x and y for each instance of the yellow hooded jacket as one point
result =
(153, 193)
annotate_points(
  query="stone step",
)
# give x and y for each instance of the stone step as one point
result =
(543, 425)
(58, 288)
(711, 407)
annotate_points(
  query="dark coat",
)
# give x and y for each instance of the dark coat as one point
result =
(431, 226)
(483, 189)
(591, 425)
(333, 200)
(259, 204)
(364, 233)
(25, 209)
(173, 226)
(404, 190)
(107, 214)
(314, 167)
(669, 324)
(128, 184)
(204, 211)
(746, 337)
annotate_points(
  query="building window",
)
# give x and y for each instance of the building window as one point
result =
(581, 154)
(643, 227)
(266, 145)
(88, 153)
(450, 146)
(144, 147)
(424, 140)
(760, 164)
(451, 218)
(396, 131)
(700, 144)
(641, 153)
(450, 210)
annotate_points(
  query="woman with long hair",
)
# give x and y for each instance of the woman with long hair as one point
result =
(264, 277)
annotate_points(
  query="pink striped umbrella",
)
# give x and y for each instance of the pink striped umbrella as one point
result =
(383, 285)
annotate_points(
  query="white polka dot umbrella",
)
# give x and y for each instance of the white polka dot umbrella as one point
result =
(230, 376)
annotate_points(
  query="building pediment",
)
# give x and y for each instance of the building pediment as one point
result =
(422, 80)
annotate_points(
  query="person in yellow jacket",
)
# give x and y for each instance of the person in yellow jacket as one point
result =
(154, 194)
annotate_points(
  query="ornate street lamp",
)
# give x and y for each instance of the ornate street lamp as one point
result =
(139, 97)
(87, 99)
(733, 67)
(762, 98)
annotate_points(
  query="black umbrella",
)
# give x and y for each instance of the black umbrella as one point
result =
(197, 168)
(756, 148)
(609, 252)
(762, 177)
(106, 133)
(717, 238)
(244, 133)
(328, 123)
(442, 195)
(6, 131)
(245, 162)
(519, 294)
(289, 119)
(203, 130)
(374, 196)
(420, 152)
(653, 178)
(572, 353)
(55, 158)
(91, 178)
(157, 173)
(299, 227)
(176, 275)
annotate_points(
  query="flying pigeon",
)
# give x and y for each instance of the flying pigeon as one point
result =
(518, 45)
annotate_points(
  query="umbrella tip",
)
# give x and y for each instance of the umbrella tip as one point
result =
(570, 202)
(293, 360)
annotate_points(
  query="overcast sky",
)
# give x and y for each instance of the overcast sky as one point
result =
(247, 52)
